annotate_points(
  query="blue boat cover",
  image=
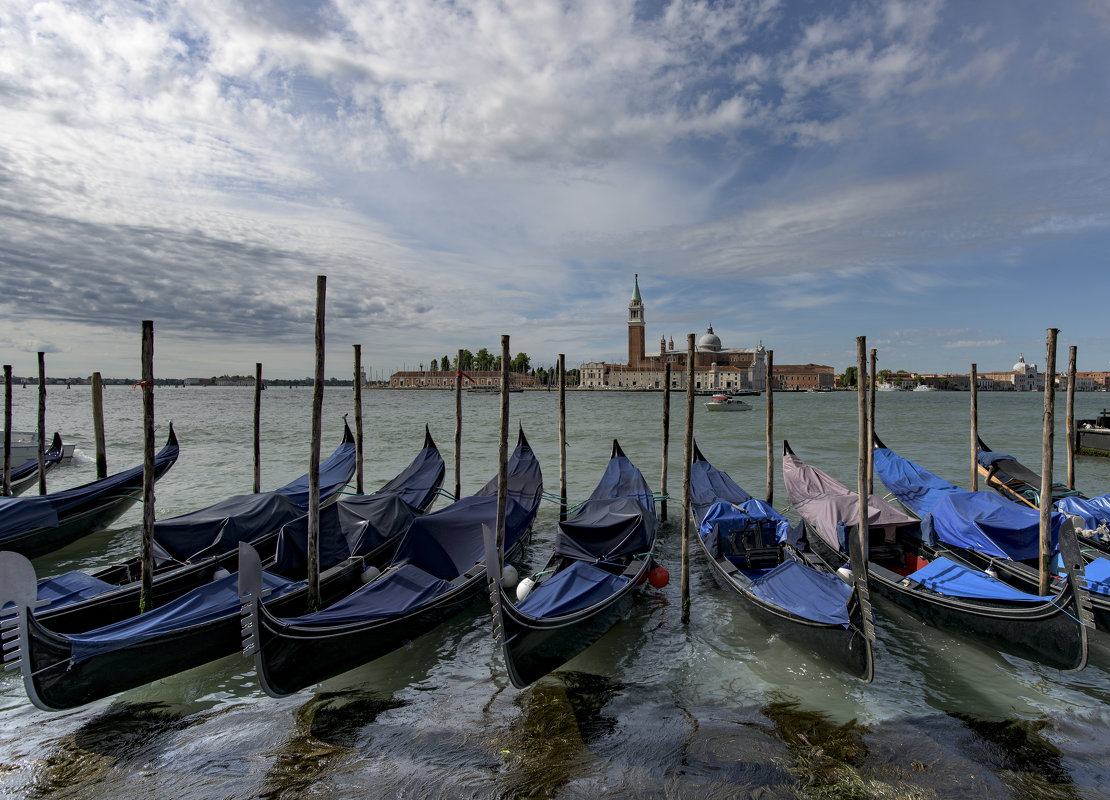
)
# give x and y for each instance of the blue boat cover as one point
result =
(805, 592)
(980, 521)
(917, 488)
(947, 577)
(742, 516)
(203, 604)
(990, 524)
(988, 458)
(392, 595)
(579, 586)
(359, 525)
(219, 528)
(19, 515)
(617, 520)
(352, 527)
(70, 587)
(439, 547)
(1094, 510)
(1097, 574)
(709, 485)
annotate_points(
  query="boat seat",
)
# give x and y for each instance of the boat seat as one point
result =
(633, 568)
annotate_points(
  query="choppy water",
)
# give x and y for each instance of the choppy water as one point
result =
(719, 708)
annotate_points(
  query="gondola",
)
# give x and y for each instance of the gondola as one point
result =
(1015, 481)
(932, 582)
(26, 475)
(995, 534)
(36, 525)
(601, 555)
(438, 569)
(189, 550)
(62, 671)
(753, 552)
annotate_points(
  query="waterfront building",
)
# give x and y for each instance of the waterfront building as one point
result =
(716, 368)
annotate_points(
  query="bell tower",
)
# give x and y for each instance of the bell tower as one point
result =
(636, 338)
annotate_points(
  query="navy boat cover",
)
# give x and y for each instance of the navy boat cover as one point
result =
(219, 528)
(1097, 575)
(740, 516)
(946, 577)
(19, 515)
(988, 458)
(709, 485)
(442, 546)
(617, 520)
(1094, 511)
(203, 604)
(579, 586)
(982, 521)
(805, 592)
(70, 587)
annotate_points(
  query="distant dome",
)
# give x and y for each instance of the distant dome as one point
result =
(709, 341)
(1020, 366)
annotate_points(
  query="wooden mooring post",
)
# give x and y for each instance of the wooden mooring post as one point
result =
(1046, 462)
(146, 597)
(98, 426)
(770, 488)
(562, 437)
(863, 529)
(6, 476)
(257, 427)
(359, 453)
(666, 439)
(503, 448)
(42, 423)
(974, 427)
(1070, 417)
(687, 458)
(458, 424)
(313, 554)
(872, 385)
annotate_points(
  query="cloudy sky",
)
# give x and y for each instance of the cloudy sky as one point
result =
(931, 175)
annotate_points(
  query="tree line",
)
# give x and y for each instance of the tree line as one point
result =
(484, 360)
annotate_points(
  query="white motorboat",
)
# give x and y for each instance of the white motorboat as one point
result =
(723, 402)
(25, 447)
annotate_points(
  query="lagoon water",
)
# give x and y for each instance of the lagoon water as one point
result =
(719, 708)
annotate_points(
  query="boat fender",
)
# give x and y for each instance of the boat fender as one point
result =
(845, 574)
(523, 588)
(369, 574)
(658, 576)
(509, 576)
(220, 574)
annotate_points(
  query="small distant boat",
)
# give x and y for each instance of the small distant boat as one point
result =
(924, 387)
(887, 387)
(25, 447)
(34, 526)
(27, 474)
(724, 402)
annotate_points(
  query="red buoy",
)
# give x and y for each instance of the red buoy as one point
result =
(659, 577)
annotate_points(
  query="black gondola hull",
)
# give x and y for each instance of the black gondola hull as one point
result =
(292, 658)
(534, 647)
(846, 648)
(56, 684)
(1045, 633)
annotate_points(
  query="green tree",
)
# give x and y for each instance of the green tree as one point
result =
(483, 360)
(848, 377)
(445, 363)
(434, 366)
(467, 361)
(520, 363)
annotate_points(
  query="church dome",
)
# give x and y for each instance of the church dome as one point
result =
(709, 341)
(1020, 365)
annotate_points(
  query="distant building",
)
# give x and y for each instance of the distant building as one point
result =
(445, 379)
(716, 368)
(802, 377)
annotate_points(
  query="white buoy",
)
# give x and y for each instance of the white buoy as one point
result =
(369, 574)
(845, 574)
(523, 588)
(509, 576)
(991, 572)
(220, 574)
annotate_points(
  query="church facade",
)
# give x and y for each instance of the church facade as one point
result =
(716, 368)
